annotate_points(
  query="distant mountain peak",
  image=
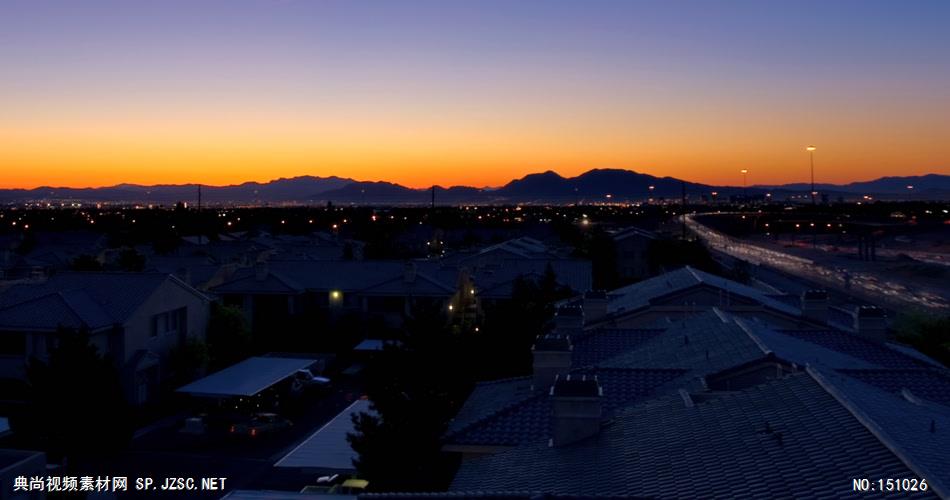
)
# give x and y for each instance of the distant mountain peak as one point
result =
(543, 187)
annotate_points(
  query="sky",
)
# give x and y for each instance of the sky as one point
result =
(476, 92)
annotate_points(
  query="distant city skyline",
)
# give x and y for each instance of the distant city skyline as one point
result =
(97, 93)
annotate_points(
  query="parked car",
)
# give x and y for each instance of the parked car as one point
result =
(305, 379)
(261, 424)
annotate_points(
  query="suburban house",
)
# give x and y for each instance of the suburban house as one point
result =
(44, 252)
(279, 286)
(631, 250)
(284, 287)
(136, 319)
(675, 389)
(687, 291)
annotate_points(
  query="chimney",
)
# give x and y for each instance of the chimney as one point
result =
(568, 319)
(260, 270)
(552, 357)
(577, 409)
(871, 323)
(815, 305)
(595, 305)
(409, 272)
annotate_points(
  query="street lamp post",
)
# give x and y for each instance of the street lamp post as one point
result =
(811, 158)
(745, 192)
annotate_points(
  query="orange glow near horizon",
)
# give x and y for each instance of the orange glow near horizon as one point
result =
(98, 93)
(413, 149)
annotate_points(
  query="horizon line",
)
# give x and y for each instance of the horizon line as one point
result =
(335, 176)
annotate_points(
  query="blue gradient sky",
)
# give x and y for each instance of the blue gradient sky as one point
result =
(101, 92)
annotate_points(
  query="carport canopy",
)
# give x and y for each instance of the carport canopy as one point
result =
(247, 378)
(327, 448)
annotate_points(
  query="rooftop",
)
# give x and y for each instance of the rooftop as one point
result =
(767, 441)
(639, 295)
(93, 300)
(327, 448)
(246, 378)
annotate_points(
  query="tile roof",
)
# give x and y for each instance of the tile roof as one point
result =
(630, 364)
(48, 312)
(527, 415)
(926, 383)
(422, 285)
(301, 275)
(387, 277)
(801, 351)
(496, 280)
(94, 300)
(785, 438)
(489, 398)
(244, 280)
(704, 343)
(628, 232)
(595, 346)
(523, 247)
(641, 294)
(853, 345)
(918, 432)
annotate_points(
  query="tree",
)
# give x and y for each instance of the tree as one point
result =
(130, 260)
(603, 256)
(229, 337)
(929, 334)
(76, 405)
(164, 240)
(27, 243)
(85, 262)
(511, 327)
(188, 362)
(668, 254)
(415, 390)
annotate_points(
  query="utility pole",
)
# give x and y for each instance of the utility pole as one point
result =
(745, 190)
(683, 195)
(811, 157)
(199, 215)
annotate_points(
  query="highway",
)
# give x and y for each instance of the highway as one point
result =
(873, 287)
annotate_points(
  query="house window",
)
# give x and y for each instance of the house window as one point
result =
(170, 322)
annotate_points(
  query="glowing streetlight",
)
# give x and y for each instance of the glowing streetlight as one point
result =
(745, 174)
(811, 158)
